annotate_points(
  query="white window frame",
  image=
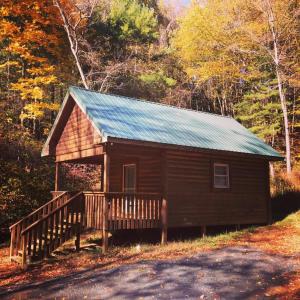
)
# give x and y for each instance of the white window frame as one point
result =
(124, 188)
(218, 186)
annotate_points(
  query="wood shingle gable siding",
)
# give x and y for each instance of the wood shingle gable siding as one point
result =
(75, 136)
(78, 134)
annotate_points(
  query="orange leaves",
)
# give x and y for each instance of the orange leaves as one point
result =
(31, 39)
(289, 290)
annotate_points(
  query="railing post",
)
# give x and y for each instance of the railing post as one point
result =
(79, 223)
(105, 224)
(164, 221)
(77, 241)
(12, 242)
(24, 254)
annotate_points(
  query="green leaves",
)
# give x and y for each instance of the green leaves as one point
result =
(132, 20)
(158, 78)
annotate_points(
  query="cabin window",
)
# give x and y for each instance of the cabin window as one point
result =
(129, 178)
(221, 176)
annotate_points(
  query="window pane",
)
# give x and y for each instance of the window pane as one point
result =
(221, 175)
(221, 181)
(129, 178)
(220, 170)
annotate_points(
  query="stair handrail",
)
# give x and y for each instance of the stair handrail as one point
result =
(51, 213)
(39, 209)
(29, 235)
(15, 229)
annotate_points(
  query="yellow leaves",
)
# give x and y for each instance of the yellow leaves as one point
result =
(31, 88)
(4, 12)
(204, 40)
(9, 64)
(7, 29)
(36, 110)
(39, 71)
(37, 93)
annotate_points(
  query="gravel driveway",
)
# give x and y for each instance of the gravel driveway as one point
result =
(229, 273)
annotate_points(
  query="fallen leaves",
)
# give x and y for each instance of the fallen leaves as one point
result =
(281, 238)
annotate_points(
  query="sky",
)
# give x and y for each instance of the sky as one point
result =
(181, 2)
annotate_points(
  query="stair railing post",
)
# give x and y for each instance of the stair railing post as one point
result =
(77, 241)
(79, 210)
(12, 242)
(24, 254)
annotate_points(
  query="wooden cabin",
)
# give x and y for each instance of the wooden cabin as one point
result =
(161, 166)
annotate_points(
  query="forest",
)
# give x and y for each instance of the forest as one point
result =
(238, 58)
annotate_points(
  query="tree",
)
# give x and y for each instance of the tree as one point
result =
(271, 27)
(74, 16)
(228, 46)
(30, 43)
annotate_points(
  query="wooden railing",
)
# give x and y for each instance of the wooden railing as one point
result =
(41, 232)
(46, 234)
(16, 229)
(114, 211)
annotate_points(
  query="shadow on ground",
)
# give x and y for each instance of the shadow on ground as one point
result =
(285, 204)
(228, 273)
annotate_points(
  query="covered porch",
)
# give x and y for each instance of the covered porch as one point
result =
(129, 192)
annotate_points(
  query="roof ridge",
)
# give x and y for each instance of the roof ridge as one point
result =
(157, 103)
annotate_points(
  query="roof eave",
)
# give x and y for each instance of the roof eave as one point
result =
(46, 148)
(183, 147)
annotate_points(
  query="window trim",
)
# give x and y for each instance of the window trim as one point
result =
(216, 186)
(123, 179)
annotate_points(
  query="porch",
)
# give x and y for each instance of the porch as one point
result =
(68, 215)
(130, 189)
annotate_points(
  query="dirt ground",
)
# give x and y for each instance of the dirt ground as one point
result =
(256, 263)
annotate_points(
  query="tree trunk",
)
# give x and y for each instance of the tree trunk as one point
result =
(72, 37)
(286, 123)
(283, 103)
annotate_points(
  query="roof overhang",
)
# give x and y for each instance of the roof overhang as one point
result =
(192, 149)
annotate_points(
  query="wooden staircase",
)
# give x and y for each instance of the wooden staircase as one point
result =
(44, 230)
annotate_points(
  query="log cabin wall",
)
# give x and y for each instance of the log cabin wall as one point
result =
(192, 199)
(148, 164)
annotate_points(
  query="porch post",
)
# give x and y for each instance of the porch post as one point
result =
(164, 204)
(203, 231)
(57, 185)
(106, 167)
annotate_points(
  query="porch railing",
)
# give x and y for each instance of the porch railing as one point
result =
(114, 211)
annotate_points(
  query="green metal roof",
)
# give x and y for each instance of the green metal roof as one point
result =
(139, 120)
